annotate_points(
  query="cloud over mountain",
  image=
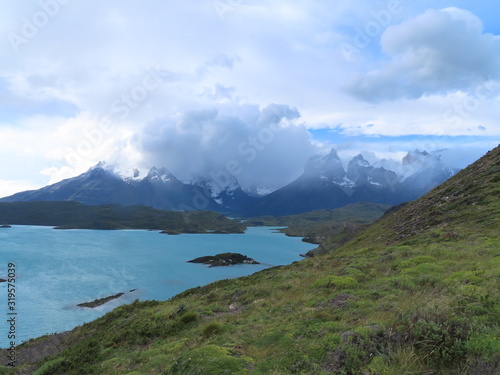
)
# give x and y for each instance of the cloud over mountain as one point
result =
(265, 145)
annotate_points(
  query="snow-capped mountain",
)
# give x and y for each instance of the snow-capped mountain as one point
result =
(423, 171)
(327, 167)
(226, 192)
(259, 191)
(324, 184)
(102, 185)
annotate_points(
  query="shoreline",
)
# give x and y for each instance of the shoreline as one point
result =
(91, 304)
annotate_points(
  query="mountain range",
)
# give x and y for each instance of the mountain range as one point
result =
(324, 184)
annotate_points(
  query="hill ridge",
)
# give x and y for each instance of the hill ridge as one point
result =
(441, 204)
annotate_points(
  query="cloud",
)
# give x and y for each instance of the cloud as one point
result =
(15, 106)
(93, 60)
(9, 187)
(223, 60)
(266, 146)
(437, 52)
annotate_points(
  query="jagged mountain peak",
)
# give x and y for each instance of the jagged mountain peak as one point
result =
(259, 191)
(102, 166)
(216, 184)
(421, 158)
(332, 155)
(422, 165)
(360, 161)
(326, 167)
(358, 168)
(160, 174)
(130, 175)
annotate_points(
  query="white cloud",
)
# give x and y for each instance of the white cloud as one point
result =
(437, 52)
(9, 187)
(91, 58)
(265, 146)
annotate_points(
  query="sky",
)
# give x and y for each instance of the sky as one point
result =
(247, 88)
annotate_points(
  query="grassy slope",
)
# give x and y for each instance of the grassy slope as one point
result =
(77, 215)
(417, 293)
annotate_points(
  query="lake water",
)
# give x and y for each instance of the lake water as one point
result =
(58, 269)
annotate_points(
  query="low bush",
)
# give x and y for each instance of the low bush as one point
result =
(188, 317)
(338, 282)
(210, 360)
(211, 329)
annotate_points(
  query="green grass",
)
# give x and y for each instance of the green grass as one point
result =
(417, 293)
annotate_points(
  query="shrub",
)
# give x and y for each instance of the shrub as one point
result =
(441, 338)
(466, 277)
(378, 366)
(211, 329)
(358, 348)
(401, 282)
(418, 260)
(188, 317)
(445, 340)
(425, 273)
(339, 282)
(403, 251)
(484, 345)
(48, 367)
(354, 273)
(210, 360)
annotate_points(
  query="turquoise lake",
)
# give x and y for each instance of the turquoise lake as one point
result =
(58, 269)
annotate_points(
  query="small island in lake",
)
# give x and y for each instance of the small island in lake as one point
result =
(102, 301)
(224, 259)
(5, 226)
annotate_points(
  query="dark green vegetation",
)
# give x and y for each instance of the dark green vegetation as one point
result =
(329, 228)
(416, 293)
(224, 259)
(66, 215)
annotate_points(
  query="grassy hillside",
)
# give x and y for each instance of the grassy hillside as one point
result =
(417, 293)
(76, 215)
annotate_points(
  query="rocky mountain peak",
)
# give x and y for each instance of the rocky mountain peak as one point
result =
(358, 168)
(417, 158)
(216, 184)
(326, 167)
(160, 174)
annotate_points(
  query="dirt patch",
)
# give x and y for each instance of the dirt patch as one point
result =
(340, 300)
(36, 350)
